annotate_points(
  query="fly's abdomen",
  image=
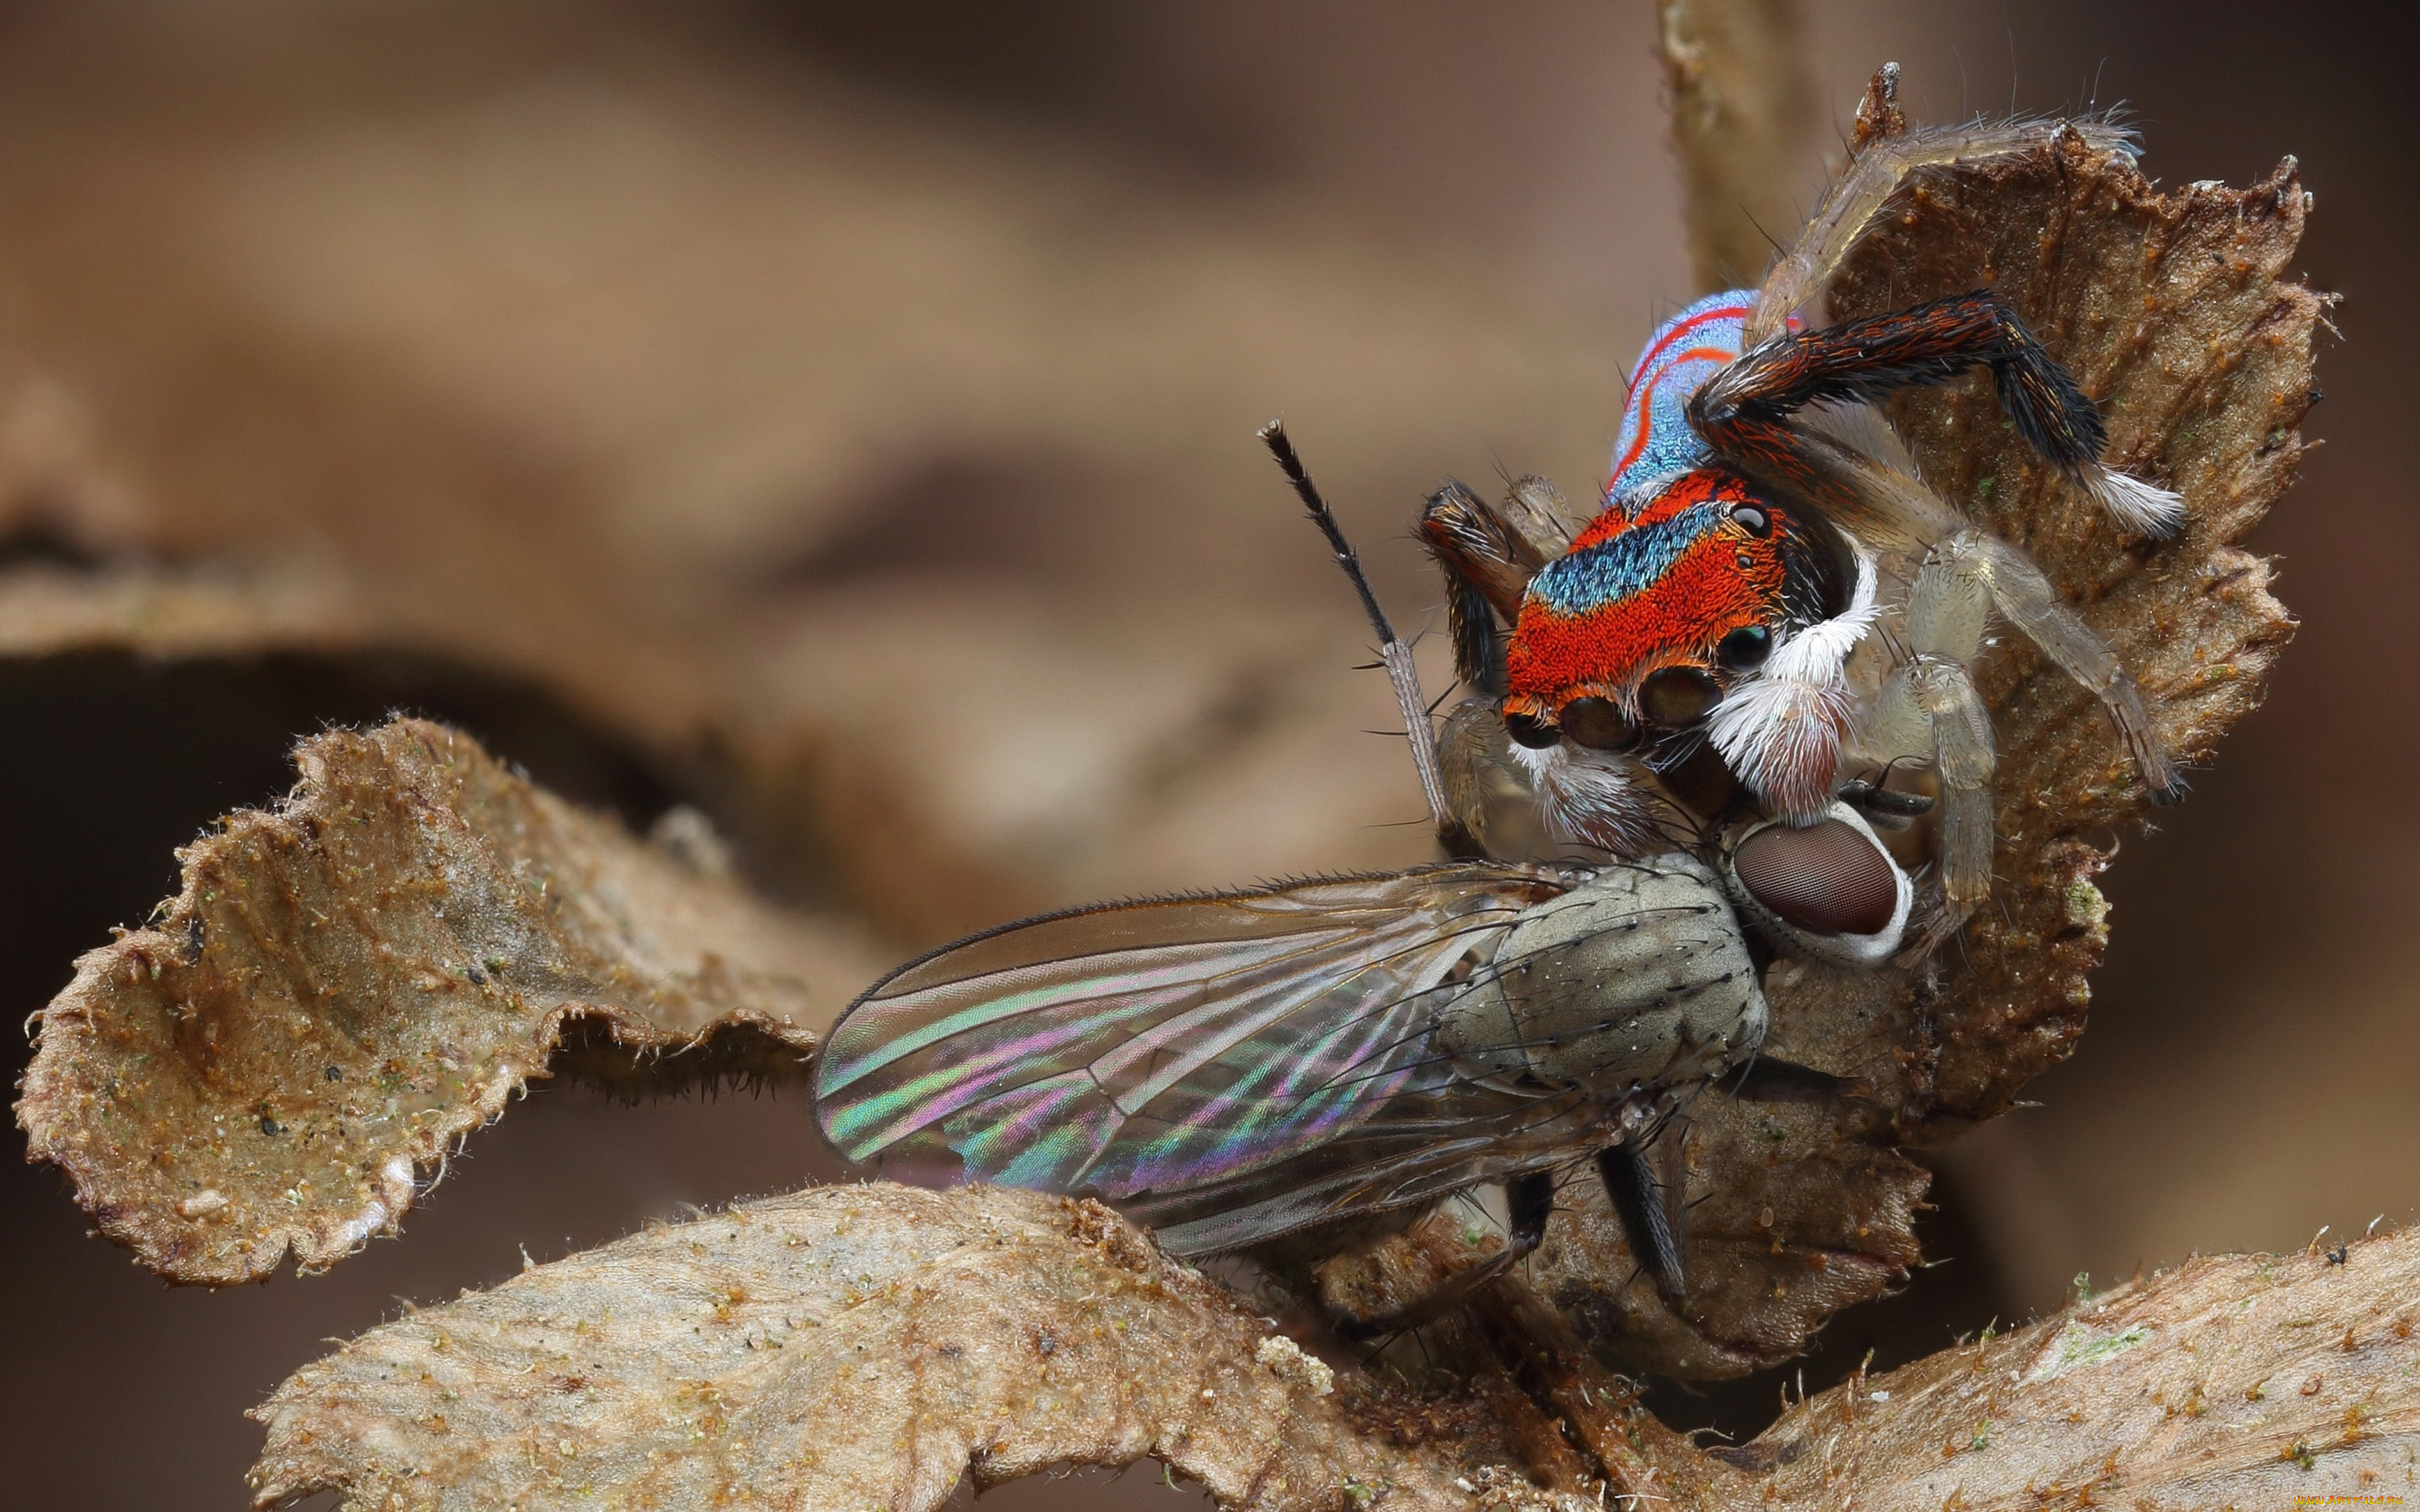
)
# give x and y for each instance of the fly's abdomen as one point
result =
(1638, 978)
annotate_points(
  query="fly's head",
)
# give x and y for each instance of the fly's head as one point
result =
(1631, 641)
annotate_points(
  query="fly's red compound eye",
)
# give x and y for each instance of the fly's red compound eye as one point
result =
(1746, 647)
(1530, 730)
(1598, 723)
(1825, 879)
(1678, 696)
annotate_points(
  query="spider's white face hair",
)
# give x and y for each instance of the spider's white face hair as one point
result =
(1781, 729)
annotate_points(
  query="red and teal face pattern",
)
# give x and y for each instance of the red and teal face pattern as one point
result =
(1690, 567)
(1694, 580)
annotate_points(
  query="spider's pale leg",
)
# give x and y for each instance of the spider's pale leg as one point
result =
(1931, 700)
(1943, 692)
(2026, 599)
(1880, 505)
(1474, 758)
(1858, 196)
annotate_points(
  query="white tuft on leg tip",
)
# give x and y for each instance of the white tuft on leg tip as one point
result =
(2135, 505)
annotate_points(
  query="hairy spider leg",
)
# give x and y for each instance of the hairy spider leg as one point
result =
(1487, 564)
(1849, 207)
(1934, 342)
(1856, 199)
(1892, 509)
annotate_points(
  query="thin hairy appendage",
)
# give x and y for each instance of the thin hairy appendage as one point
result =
(2025, 598)
(1940, 696)
(1858, 196)
(1868, 359)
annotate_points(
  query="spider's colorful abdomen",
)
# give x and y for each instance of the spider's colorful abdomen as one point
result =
(1656, 443)
(1664, 586)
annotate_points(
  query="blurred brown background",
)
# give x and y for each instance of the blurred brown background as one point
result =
(839, 417)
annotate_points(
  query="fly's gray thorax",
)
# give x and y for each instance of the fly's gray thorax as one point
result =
(1638, 977)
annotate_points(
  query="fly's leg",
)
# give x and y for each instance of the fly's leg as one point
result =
(1529, 1202)
(1932, 343)
(1858, 196)
(1637, 1202)
(1530, 1199)
(1771, 1079)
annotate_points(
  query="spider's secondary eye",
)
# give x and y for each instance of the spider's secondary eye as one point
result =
(1751, 518)
(1598, 724)
(1678, 696)
(1530, 730)
(1746, 647)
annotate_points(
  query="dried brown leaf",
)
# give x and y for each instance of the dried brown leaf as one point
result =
(849, 1347)
(2174, 311)
(866, 1344)
(352, 981)
(2243, 1381)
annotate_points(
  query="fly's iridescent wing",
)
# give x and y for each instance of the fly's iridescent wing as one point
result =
(1243, 1063)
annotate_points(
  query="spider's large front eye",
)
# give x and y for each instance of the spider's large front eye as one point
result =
(1678, 696)
(1530, 730)
(1752, 518)
(1746, 647)
(1598, 724)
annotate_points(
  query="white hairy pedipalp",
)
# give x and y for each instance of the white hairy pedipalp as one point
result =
(1781, 727)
